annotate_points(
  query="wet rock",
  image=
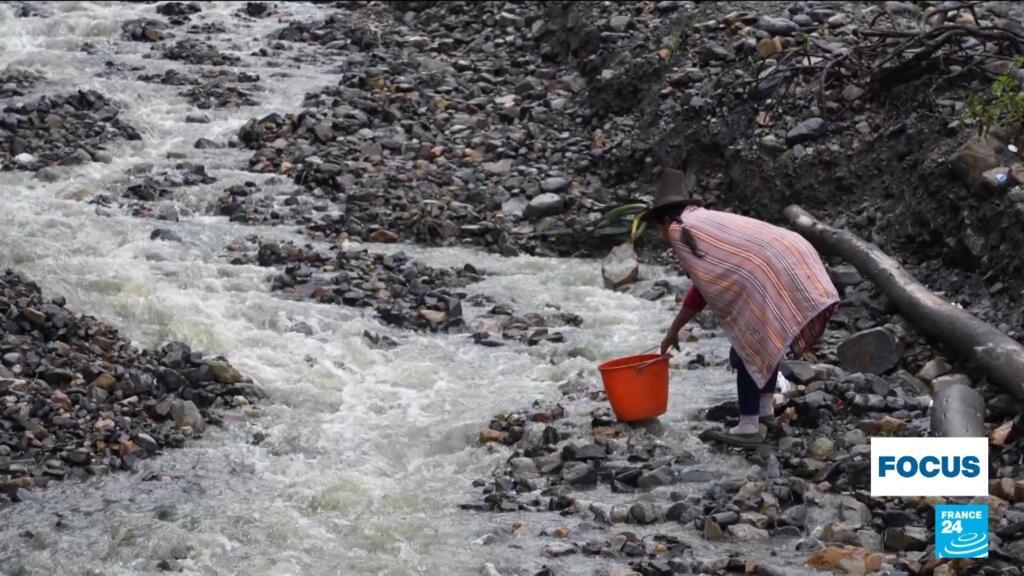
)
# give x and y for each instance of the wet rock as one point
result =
(873, 351)
(746, 533)
(557, 549)
(661, 476)
(165, 234)
(621, 267)
(257, 9)
(195, 118)
(384, 236)
(643, 513)
(178, 8)
(579, 474)
(906, 538)
(185, 413)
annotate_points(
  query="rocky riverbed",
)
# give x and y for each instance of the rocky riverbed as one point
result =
(373, 210)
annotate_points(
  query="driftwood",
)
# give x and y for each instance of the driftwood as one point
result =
(1000, 357)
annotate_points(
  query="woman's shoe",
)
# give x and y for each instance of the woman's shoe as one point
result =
(740, 440)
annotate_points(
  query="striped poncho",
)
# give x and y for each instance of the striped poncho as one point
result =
(767, 285)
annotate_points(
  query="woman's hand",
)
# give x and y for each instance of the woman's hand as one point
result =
(671, 340)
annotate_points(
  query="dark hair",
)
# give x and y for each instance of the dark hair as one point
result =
(672, 212)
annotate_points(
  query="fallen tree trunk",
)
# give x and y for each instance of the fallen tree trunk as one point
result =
(1000, 357)
(958, 411)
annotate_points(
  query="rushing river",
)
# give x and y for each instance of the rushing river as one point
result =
(368, 453)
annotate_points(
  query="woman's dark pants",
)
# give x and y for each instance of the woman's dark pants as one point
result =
(747, 393)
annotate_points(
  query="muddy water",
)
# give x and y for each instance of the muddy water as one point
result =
(367, 453)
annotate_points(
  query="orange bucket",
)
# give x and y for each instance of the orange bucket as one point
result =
(637, 386)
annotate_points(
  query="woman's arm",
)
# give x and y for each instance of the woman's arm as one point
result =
(692, 305)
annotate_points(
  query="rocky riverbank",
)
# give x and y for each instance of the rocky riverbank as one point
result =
(79, 400)
(511, 127)
(637, 495)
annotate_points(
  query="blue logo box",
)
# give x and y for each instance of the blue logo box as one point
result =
(961, 531)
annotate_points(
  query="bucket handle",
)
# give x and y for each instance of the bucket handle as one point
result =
(640, 367)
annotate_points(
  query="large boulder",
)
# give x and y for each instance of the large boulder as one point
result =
(620, 267)
(977, 156)
(874, 351)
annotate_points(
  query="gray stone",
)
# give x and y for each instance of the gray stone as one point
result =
(821, 449)
(810, 129)
(725, 518)
(873, 351)
(854, 513)
(48, 174)
(523, 469)
(845, 275)
(643, 513)
(146, 442)
(499, 168)
(556, 549)
(579, 474)
(746, 533)
(694, 476)
(935, 368)
(776, 26)
(794, 516)
(555, 184)
(185, 413)
(949, 380)
(506, 19)
(196, 118)
(620, 267)
(798, 371)
(619, 23)
(906, 538)
(547, 204)
(661, 476)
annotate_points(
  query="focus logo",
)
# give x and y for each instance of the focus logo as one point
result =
(929, 466)
(961, 531)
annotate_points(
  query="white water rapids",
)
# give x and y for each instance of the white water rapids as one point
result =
(368, 453)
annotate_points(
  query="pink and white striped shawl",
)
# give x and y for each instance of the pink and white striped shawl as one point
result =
(766, 284)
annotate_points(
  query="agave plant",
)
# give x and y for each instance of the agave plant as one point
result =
(624, 219)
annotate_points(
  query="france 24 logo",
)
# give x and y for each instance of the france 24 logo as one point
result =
(929, 466)
(961, 531)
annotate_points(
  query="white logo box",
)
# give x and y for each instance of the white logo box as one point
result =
(894, 484)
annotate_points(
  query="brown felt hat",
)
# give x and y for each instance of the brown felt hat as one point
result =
(672, 191)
